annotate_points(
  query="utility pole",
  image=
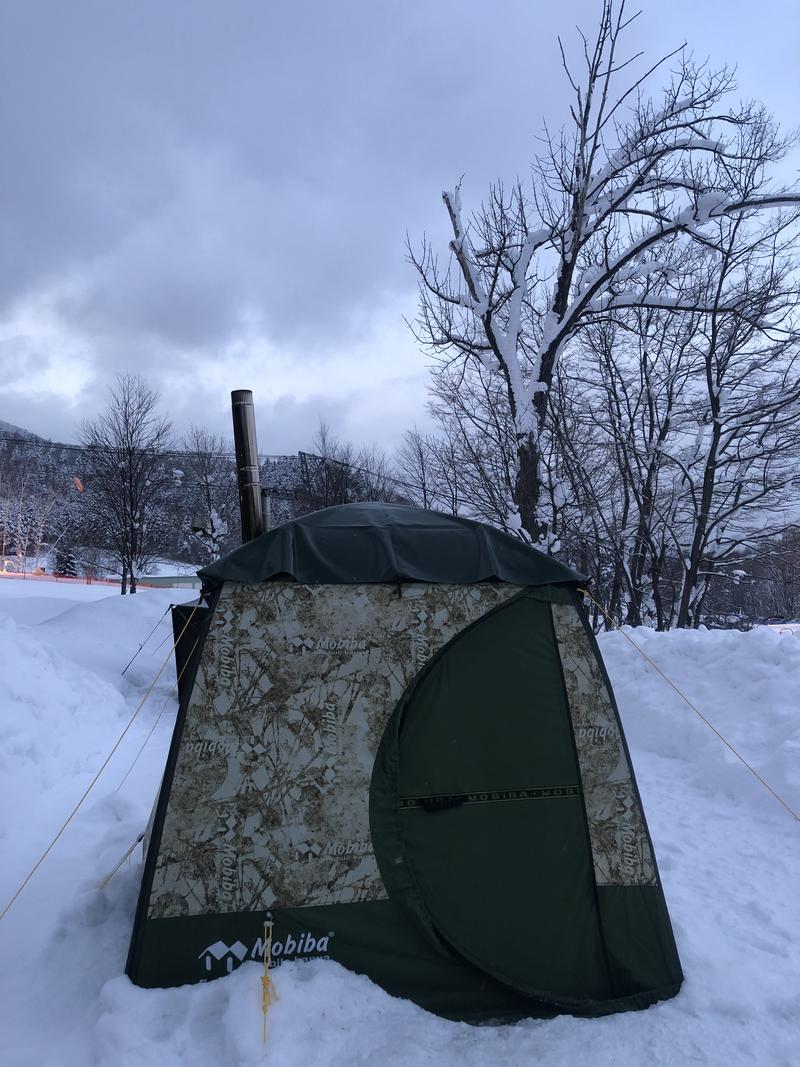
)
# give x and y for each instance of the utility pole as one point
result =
(246, 448)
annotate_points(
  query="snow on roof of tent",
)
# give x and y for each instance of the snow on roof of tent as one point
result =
(355, 543)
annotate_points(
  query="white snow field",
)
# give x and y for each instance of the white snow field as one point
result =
(728, 854)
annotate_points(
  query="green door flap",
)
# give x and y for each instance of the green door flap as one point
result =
(478, 819)
(476, 810)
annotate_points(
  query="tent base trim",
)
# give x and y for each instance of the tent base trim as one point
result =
(377, 938)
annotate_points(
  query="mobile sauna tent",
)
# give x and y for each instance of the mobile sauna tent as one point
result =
(401, 746)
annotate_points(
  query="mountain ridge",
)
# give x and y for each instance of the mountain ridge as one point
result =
(9, 427)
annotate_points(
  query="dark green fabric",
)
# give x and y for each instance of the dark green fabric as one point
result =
(478, 824)
(506, 879)
(639, 941)
(375, 938)
(386, 543)
(640, 944)
(189, 623)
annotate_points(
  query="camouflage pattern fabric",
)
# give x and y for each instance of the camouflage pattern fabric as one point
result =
(620, 845)
(269, 804)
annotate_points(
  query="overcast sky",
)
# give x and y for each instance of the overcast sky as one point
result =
(216, 194)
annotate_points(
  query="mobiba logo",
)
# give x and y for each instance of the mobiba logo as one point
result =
(228, 956)
(220, 958)
(303, 643)
(630, 860)
(204, 748)
(229, 876)
(330, 728)
(341, 644)
(357, 847)
(421, 646)
(594, 734)
(290, 948)
(226, 668)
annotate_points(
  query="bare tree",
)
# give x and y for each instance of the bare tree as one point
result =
(374, 478)
(474, 451)
(22, 525)
(415, 463)
(128, 477)
(26, 510)
(609, 199)
(613, 416)
(210, 482)
(698, 415)
(438, 470)
(337, 473)
(37, 498)
(672, 441)
(739, 469)
(779, 593)
(325, 474)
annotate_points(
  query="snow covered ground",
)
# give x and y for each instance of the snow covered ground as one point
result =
(728, 854)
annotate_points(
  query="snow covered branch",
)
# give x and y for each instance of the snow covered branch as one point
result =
(615, 206)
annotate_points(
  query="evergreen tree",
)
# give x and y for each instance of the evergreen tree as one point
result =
(65, 564)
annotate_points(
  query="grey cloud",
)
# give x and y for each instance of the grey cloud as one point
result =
(178, 174)
(173, 156)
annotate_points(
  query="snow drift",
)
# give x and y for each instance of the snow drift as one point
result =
(727, 852)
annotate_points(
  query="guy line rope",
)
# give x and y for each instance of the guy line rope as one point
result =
(103, 766)
(117, 866)
(158, 717)
(269, 994)
(694, 708)
(141, 646)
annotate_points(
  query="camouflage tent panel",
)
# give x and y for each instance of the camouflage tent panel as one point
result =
(269, 801)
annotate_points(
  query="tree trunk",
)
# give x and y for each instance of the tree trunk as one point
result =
(692, 570)
(634, 613)
(698, 604)
(655, 581)
(123, 587)
(639, 556)
(528, 488)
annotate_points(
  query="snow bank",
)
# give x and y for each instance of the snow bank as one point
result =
(33, 600)
(727, 851)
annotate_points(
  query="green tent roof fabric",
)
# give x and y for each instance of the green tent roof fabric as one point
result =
(356, 543)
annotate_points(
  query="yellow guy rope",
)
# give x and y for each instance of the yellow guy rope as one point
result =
(141, 646)
(158, 717)
(103, 766)
(269, 993)
(111, 874)
(694, 708)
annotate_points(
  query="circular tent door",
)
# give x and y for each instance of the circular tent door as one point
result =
(476, 810)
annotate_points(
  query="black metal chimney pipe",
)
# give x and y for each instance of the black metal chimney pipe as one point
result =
(247, 473)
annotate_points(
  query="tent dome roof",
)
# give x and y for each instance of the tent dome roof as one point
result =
(355, 543)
